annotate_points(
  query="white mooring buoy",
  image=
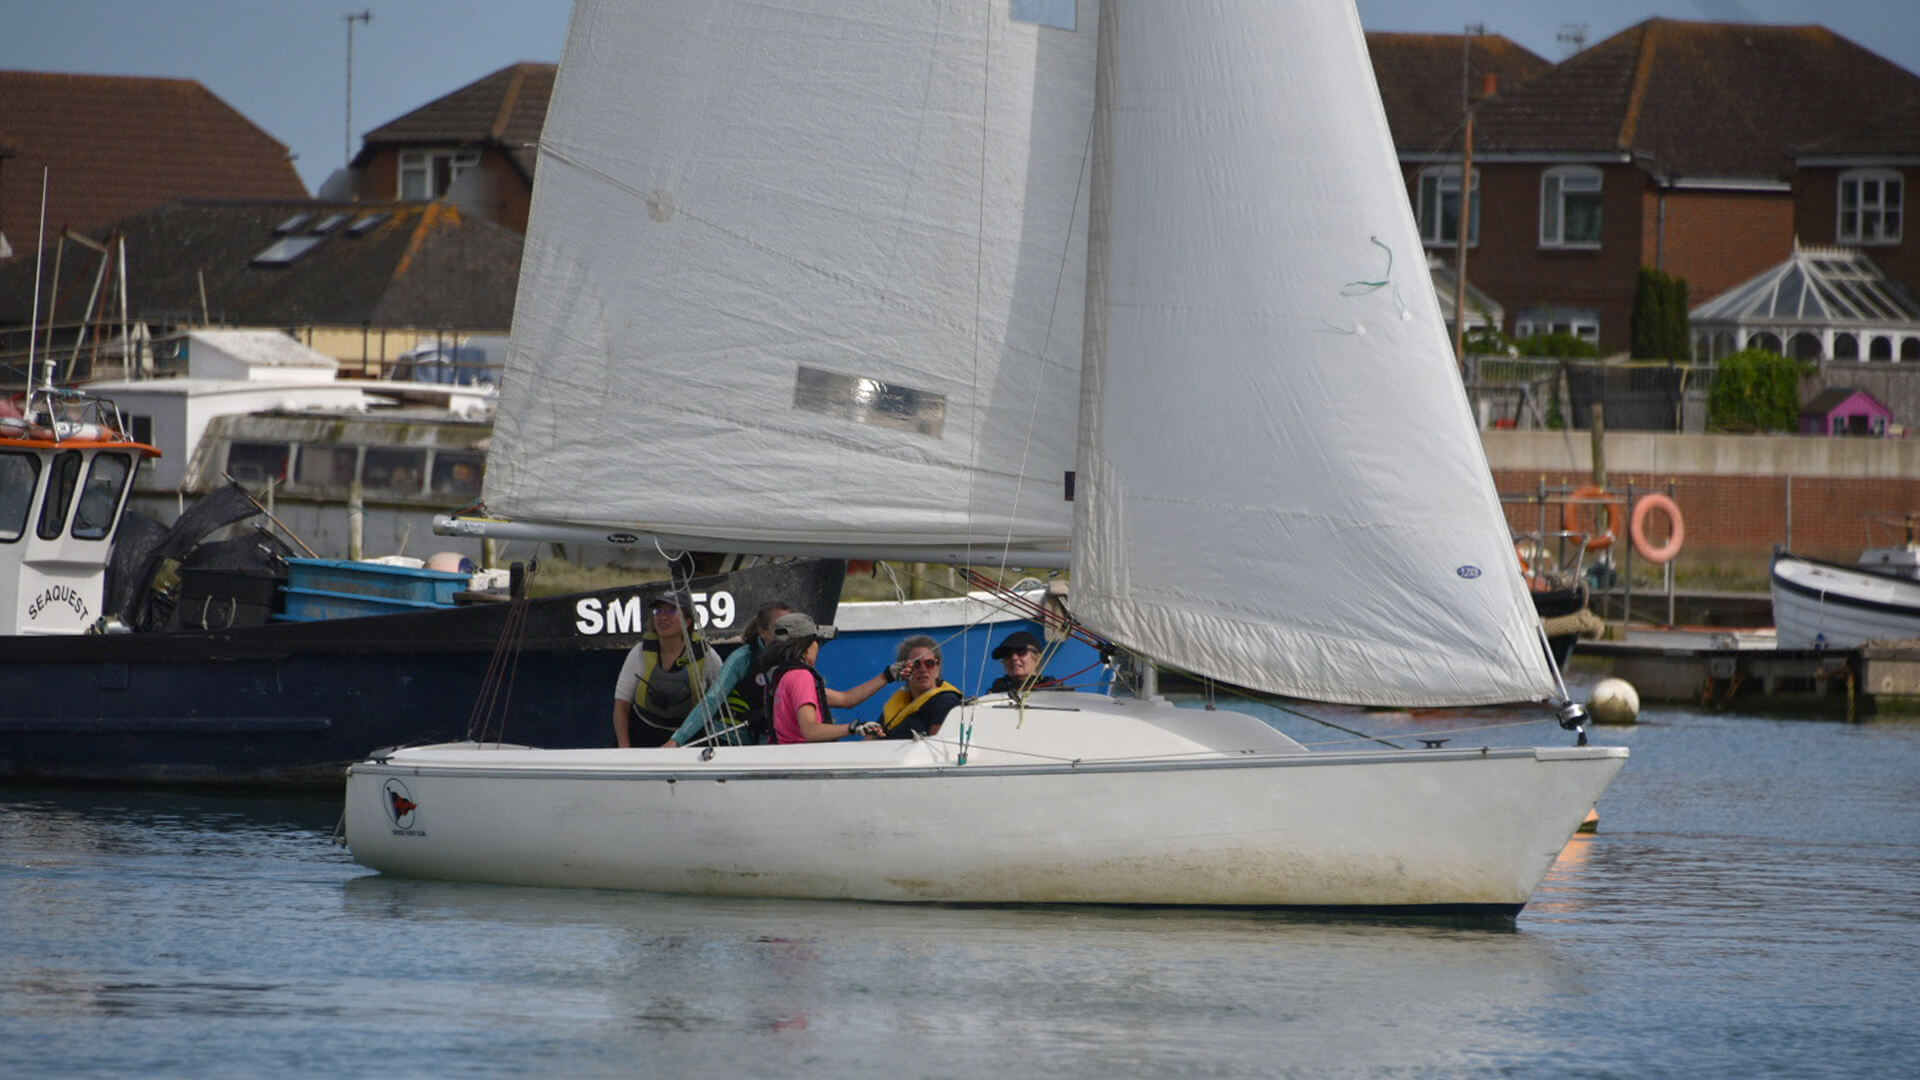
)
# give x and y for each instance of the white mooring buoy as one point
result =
(1614, 701)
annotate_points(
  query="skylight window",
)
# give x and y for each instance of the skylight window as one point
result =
(366, 224)
(285, 250)
(329, 223)
(292, 224)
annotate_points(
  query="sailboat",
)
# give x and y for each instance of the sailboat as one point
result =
(1130, 287)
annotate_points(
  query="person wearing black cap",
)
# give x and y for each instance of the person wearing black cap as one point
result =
(664, 674)
(797, 697)
(1020, 654)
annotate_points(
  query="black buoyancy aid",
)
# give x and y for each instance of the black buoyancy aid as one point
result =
(770, 685)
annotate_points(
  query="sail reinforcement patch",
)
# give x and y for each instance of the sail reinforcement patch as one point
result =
(870, 401)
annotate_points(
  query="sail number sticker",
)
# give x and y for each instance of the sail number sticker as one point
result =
(1469, 572)
(628, 615)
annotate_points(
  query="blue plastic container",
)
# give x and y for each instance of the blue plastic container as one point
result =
(344, 589)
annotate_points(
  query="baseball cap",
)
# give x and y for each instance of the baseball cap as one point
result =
(799, 624)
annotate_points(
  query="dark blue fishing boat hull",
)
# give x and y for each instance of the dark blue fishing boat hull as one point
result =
(291, 704)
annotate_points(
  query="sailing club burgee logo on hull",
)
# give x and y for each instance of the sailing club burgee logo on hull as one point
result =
(401, 809)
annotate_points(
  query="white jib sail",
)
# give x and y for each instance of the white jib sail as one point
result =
(807, 272)
(1280, 485)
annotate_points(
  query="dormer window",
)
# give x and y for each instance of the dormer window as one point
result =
(1570, 207)
(427, 174)
(1870, 207)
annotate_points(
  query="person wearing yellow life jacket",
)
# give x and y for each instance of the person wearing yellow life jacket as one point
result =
(664, 674)
(733, 712)
(922, 705)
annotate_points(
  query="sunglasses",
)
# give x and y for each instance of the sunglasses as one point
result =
(924, 662)
(661, 608)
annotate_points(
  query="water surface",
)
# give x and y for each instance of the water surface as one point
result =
(1750, 907)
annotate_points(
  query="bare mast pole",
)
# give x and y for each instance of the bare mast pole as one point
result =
(1465, 224)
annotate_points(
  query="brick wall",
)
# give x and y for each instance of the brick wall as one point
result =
(1739, 495)
(1715, 239)
(1816, 221)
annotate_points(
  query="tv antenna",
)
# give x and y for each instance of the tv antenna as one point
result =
(1572, 37)
(363, 17)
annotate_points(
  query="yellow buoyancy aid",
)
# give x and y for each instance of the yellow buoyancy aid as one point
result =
(903, 704)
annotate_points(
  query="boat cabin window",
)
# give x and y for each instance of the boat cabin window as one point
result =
(325, 466)
(254, 463)
(19, 475)
(62, 478)
(457, 474)
(394, 469)
(106, 479)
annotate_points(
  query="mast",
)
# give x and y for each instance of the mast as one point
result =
(1466, 200)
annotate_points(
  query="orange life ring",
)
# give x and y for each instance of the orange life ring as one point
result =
(1676, 532)
(1570, 514)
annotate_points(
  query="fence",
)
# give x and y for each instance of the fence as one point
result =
(1528, 392)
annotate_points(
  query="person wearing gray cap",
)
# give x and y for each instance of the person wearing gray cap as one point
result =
(797, 697)
(664, 674)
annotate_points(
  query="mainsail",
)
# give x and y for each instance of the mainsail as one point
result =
(1280, 481)
(808, 274)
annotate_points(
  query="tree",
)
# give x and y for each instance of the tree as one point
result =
(1755, 391)
(1659, 330)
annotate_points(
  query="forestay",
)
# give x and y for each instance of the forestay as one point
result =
(812, 274)
(1281, 483)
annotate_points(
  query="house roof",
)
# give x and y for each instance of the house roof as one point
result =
(1420, 80)
(1893, 133)
(379, 264)
(1815, 286)
(116, 145)
(506, 109)
(1698, 100)
(1833, 397)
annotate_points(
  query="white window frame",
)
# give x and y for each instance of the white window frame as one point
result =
(1875, 212)
(1556, 185)
(1582, 323)
(420, 163)
(1434, 185)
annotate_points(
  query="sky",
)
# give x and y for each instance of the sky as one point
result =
(283, 63)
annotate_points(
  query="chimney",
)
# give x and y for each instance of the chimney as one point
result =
(1489, 84)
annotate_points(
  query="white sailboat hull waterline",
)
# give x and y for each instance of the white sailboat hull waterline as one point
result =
(1189, 808)
(1825, 605)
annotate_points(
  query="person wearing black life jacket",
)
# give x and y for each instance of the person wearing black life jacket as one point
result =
(734, 712)
(922, 705)
(663, 676)
(1020, 655)
(798, 700)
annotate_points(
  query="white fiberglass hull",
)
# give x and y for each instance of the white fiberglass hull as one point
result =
(1818, 604)
(1224, 811)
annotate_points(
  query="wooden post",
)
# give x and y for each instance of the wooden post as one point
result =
(356, 511)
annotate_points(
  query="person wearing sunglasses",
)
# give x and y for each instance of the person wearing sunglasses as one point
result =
(922, 705)
(1020, 655)
(664, 674)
